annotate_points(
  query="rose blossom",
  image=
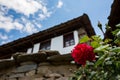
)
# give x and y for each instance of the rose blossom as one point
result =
(83, 52)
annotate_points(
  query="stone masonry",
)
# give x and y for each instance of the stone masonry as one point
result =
(44, 65)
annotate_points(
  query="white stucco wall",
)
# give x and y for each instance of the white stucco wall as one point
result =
(36, 48)
(29, 50)
(76, 37)
(57, 44)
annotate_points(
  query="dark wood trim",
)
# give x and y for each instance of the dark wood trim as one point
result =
(29, 41)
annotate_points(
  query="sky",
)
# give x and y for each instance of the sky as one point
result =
(20, 18)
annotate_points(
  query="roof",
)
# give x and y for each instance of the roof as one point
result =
(114, 17)
(21, 44)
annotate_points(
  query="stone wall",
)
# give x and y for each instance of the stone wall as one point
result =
(45, 65)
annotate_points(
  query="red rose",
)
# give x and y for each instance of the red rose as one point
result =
(83, 52)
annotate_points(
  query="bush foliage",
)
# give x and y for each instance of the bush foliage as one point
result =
(107, 64)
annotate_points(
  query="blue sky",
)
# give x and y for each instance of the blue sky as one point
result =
(19, 18)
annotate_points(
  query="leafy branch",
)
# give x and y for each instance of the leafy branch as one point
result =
(107, 64)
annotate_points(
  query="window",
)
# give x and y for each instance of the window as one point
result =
(45, 45)
(68, 40)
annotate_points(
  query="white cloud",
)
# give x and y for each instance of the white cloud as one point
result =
(60, 4)
(23, 23)
(18, 26)
(24, 6)
(4, 42)
(44, 16)
(41, 16)
(3, 37)
(29, 28)
(8, 24)
(37, 24)
(3, 18)
(3, 9)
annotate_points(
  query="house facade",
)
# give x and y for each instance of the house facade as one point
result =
(63, 43)
(62, 37)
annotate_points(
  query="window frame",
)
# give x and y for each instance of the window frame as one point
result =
(45, 43)
(67, 39)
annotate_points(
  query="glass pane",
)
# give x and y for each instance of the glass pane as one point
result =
(67, 44)
(68, 40)
(72, 42)
(45, 45)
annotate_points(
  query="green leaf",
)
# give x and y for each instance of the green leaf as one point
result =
(115, 32)
(107, 40)
(101, 59)
(101, 48)
(84, 39)
(79, 77)
(97, 38)
(117, 64)
(117, 41)
(118, 25)
(118, 34)
(117, 49)
(95, 44)
(107, 27)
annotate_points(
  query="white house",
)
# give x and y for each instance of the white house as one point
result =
(63, 43)
(62, 37)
